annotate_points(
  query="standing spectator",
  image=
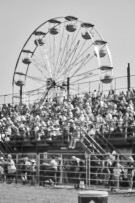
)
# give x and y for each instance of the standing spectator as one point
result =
(27, 164)
(117, 172)
(2, 173)
(33, 169)
(11, 169)
(130, 171)
(53, 170)
(106, 172)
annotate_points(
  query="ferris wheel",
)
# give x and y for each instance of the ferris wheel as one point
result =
(62, 56)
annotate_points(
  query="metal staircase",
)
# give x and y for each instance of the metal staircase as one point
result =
(106, 144)
(90, 145)
(98, 145)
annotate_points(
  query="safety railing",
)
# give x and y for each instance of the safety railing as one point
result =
(118, 84)
(78, 170)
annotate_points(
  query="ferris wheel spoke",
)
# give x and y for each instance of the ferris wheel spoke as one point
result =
(72, 54)
(67, 71)
(41, 53)
(85, 73)
(87, 57)
(70, 51)
(40, 67)
(59, 50)
(63, 53)
(42, 80)
(70, 65)
(73, 41)
(54, 56)
(35, 90)
(81, 64)
(45, 59)
(84, 77)
(79, 51)
(81, 54)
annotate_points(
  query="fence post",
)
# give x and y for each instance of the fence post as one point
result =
(126, 129)
(87, 156)
(38, 168)
(61, 170)
(118, 177)
(89, 87)
(16, 168)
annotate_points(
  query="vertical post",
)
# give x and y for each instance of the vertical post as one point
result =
(89, 87)
(20, 94)
(12, 99)
(78, 89)
(5, 99)
(118, 180)
(38, 168)
(17, 161)
(68, 88)
(38, 94)
(61, 170)
(128, 77)
(115, 84)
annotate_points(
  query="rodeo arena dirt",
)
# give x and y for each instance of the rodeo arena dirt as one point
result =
(63, 147)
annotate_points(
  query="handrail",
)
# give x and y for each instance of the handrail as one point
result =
(102, 151)
(102, 139)
(29, 94)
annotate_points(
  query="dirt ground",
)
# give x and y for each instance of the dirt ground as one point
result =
(30, 194)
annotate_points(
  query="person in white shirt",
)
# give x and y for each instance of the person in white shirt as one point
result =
(53, 170)
(11, 168)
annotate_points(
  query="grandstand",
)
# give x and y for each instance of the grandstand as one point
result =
(94, 118)
(68, 124)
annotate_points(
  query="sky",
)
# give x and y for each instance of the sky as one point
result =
(114, 20)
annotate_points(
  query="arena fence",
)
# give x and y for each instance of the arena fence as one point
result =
(78, 170)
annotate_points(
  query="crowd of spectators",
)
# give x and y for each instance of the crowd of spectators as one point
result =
(109, 113)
